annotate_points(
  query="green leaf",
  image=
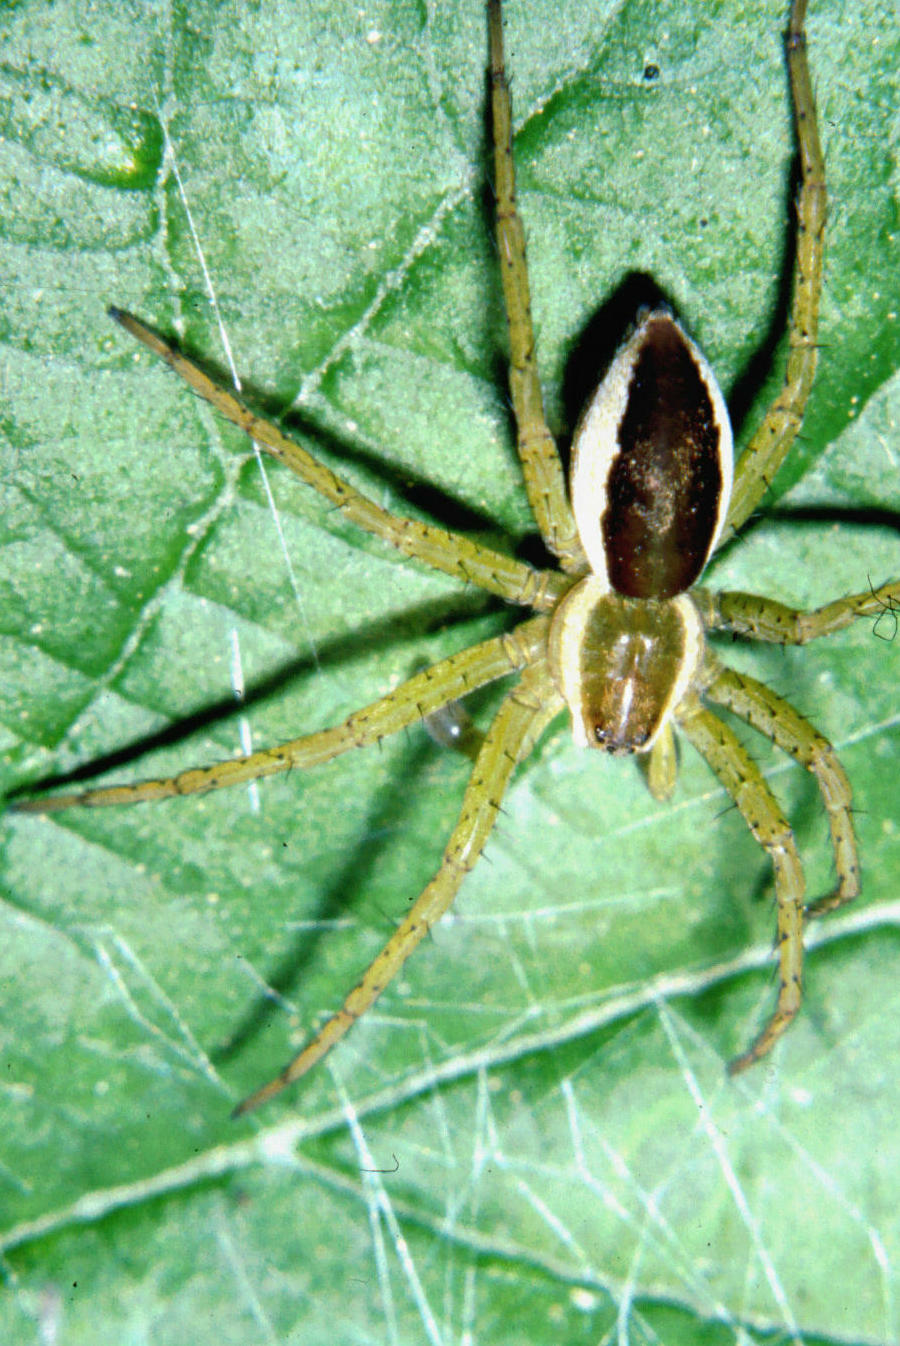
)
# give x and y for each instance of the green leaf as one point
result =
(532, 1136)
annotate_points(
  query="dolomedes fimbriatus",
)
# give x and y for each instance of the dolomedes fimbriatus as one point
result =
(619, 635)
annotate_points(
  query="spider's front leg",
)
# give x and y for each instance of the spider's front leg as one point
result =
(743, 780)
(758, 618)
(521, 719)
(422, 695)
(771, 715)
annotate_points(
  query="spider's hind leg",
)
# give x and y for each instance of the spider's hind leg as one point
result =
(760, 618)
(541, 466)
(743, 780)
(453, 553)
(763, 456)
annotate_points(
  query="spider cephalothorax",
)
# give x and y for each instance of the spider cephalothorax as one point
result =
(619, 635)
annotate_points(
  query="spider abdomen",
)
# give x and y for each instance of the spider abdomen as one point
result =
(652, 464)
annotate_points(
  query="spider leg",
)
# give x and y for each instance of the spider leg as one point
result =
(761, 618)
(452, 553)
(767, 449)
(778, 720)
(541, 466)
(415, 699)
(522, 717)
(743, 780)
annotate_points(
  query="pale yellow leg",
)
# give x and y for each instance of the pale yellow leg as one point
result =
(449, 552)
(788, 730)
(768, 448)
(541, 467)
(743, 780)
(523, 716)
(413, 700)
(760, 618)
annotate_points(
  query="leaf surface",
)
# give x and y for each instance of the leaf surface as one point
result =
(534, 1126)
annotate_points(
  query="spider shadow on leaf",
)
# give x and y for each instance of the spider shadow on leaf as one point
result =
(373, 637)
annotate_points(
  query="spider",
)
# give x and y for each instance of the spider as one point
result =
(618, 632)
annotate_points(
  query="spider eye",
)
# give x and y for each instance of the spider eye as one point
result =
(635, 742)
(652, 464)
